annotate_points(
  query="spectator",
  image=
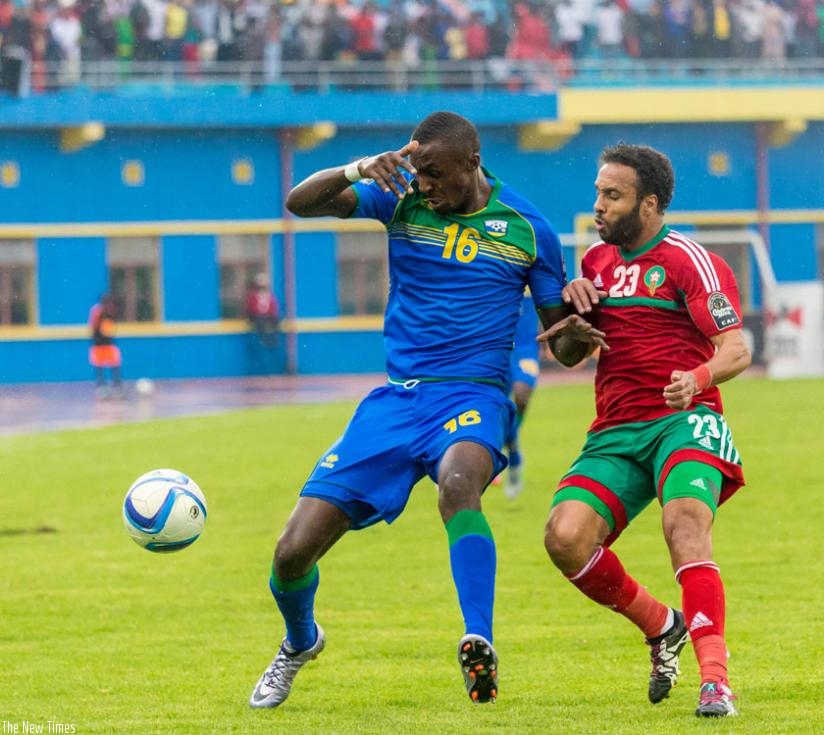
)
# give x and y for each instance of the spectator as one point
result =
(231, 25)
(749, 29)
(337, 35)
(570, 22)
(806, 29)
(156, 29)
(262, 312)
(177, 21)
(700, 35)
(394, 35)
(531, 39)
(721, 30)
(365, 34)
(650, 30)
(609, 20)
(66, 31)
(139, 18)
(273, 47)
(476, 34)
(677, 28)
(773, 35)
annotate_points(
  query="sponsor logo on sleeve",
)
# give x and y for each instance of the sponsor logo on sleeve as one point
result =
(722, 311)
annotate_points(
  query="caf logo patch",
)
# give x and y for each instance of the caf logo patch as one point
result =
(721, 311)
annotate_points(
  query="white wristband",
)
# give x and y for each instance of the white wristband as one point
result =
(352, 171)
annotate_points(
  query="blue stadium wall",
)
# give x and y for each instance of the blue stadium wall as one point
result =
(70, 201)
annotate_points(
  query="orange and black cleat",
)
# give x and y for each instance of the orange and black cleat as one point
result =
(479, 664)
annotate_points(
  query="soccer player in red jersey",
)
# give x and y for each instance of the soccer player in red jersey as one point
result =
(669, 313)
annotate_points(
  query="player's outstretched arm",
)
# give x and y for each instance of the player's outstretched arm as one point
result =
(570, 338)
(329, 192)
(732, 356)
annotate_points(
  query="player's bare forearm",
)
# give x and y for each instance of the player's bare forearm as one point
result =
(329, 192)
(732, 357)
(324, 193)
(568, 351)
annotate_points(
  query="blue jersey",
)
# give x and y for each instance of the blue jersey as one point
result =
(456, 281)
(527, 329)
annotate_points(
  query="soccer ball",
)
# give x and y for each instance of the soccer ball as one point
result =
(164, 510)
(144, 386)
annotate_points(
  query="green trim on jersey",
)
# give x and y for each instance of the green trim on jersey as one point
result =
(642, 301)
(467, 523)
(647, 246)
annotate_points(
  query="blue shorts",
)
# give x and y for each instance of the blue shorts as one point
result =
(398, 435)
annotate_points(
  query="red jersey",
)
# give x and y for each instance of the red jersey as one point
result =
(664, 303)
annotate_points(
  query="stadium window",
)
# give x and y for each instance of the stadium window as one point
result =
(362, 273)
(133, 277)
(241, 258)
(16, 281)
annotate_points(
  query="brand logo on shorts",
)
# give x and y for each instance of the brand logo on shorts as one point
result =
(721, 310)
(496, 227)
(598, 282)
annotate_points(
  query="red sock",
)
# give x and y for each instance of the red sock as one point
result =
(604, 580)
(711, 652)
(702, 594)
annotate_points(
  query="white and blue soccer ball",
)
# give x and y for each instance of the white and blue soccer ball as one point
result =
(164, 510)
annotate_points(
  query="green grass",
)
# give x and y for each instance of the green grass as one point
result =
(100, 634)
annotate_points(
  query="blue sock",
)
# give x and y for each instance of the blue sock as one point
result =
(472, 556)
(296, 602)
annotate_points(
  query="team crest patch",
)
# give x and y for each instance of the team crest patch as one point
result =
(721, 310)
(654, 278)
(496, 227)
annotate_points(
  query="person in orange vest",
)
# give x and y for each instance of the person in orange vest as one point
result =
(104, 354)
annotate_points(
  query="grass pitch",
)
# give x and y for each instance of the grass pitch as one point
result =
(99, 636)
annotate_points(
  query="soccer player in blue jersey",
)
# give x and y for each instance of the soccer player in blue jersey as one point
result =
(524, 369)
(462, 247)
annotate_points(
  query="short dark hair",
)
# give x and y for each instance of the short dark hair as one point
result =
(653, 170)
(449, 127)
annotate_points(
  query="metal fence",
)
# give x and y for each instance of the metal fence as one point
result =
(478, 76)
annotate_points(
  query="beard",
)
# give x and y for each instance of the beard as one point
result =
(626, 229)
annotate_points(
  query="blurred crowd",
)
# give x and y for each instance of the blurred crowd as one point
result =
(409, 31)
